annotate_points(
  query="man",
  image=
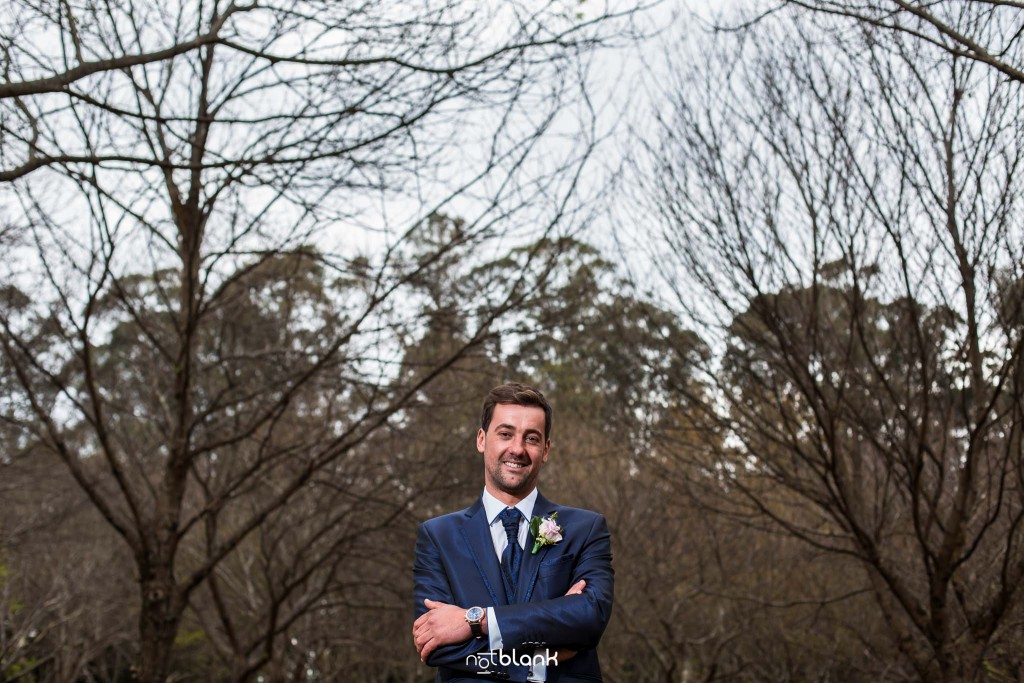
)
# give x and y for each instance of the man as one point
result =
(495, 600)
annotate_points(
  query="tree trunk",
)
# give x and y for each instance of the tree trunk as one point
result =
(158, 625)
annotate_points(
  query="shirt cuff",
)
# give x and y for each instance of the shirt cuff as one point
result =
(538, 669)
(493, 632)
(539, 666)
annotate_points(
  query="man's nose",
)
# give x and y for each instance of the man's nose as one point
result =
(516, 447)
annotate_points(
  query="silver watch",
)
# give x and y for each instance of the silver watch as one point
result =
(473, 617)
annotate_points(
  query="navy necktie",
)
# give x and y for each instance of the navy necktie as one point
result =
(512, 556)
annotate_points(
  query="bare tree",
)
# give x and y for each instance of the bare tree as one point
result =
(207, 375)
(843, 216)
(987, 31)
(62, 576)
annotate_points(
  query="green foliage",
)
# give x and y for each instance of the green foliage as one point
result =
(21, 666)
(188, 638)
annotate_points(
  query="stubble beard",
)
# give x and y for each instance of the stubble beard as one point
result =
(508, 482)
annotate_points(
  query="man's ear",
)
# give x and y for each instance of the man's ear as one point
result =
(547, 449)
(481, 437)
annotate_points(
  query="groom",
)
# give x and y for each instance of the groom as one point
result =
(495, 599)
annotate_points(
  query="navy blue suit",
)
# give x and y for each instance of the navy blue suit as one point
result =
(456, 564)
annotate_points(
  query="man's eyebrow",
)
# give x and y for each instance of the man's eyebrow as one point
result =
(505, 425)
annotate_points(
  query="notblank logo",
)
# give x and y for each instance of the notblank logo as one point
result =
(488, 659)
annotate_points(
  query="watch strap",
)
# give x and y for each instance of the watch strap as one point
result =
(477, 629)
(474, 624)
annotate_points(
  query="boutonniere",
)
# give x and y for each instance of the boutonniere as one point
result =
(546, 531)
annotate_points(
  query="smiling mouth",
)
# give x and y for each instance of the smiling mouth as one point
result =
(515, 465)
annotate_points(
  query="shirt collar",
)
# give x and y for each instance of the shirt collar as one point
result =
(493, 506)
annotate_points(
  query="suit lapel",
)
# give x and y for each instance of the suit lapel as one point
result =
(531, 562)
(478, 538)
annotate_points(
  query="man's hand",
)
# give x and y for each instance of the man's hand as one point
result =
(443, 624)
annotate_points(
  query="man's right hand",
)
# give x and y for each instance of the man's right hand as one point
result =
(566, 655)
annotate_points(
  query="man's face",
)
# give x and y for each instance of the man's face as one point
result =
(514, 450)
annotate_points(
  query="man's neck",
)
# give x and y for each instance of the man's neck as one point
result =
(507, 498)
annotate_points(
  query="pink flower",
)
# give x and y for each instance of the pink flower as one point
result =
(550, 531)
(545, 531)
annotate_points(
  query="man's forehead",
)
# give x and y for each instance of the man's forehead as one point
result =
(514, 415)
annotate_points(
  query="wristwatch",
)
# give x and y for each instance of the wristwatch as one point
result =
(473, 617)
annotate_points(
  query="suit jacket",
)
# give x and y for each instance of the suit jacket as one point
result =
(456, 563)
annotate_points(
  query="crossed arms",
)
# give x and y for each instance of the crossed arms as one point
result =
(574, 621)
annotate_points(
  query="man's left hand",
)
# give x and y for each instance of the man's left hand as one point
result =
(443, 624)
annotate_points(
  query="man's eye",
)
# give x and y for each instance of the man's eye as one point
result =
(532, 440)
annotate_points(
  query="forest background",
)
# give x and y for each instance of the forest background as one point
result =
(262, 261)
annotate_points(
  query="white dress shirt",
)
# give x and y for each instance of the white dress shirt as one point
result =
(492, 508)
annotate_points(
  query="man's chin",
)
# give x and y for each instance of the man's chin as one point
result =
(515, 488)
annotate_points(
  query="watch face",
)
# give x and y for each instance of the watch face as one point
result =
(474, 614)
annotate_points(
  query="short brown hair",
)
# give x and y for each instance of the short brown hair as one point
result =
(514, 393)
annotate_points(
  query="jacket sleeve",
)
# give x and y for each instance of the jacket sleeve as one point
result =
(431, 581)
(572, 621)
